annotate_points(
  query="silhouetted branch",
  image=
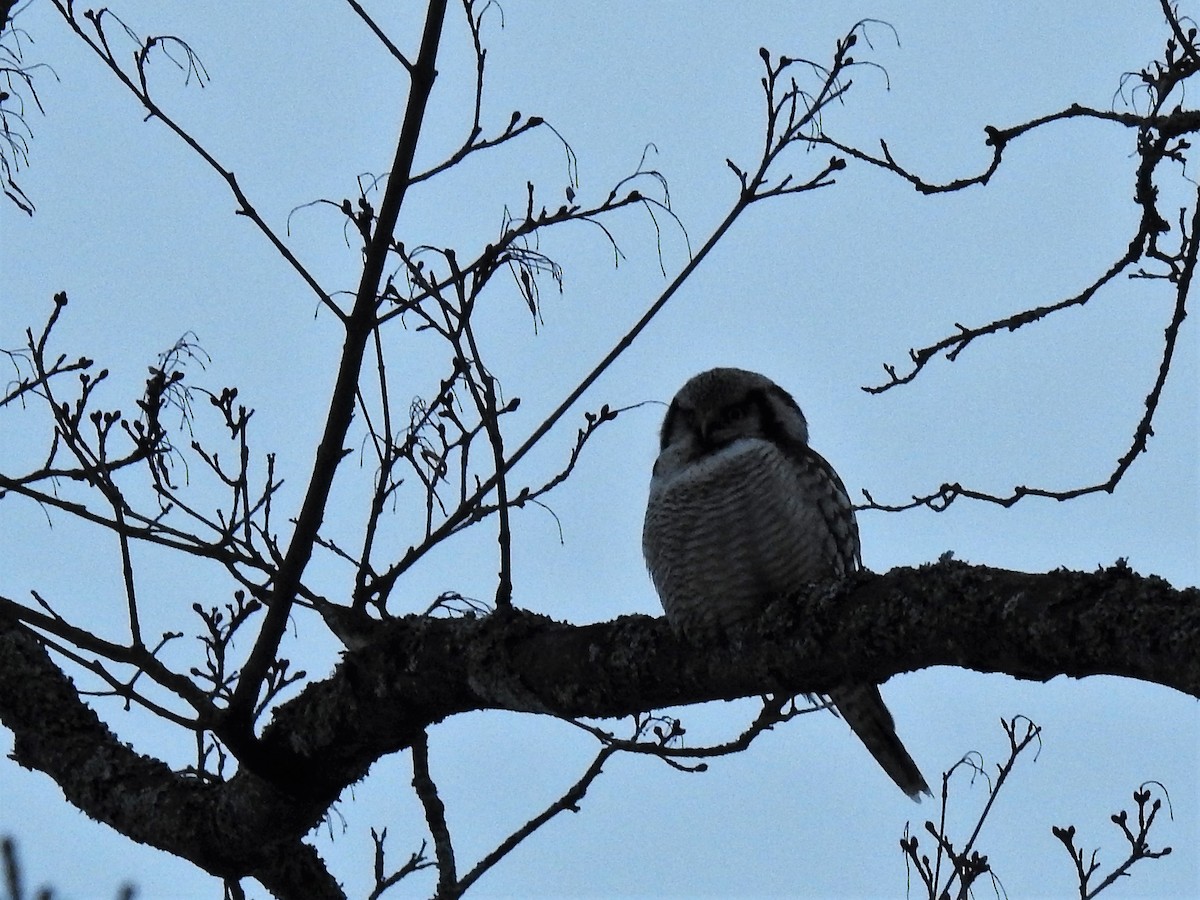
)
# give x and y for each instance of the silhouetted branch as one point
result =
(16, 80)
(435, 818)
(360, 323)
(967, 865)
(940, 499)
(422, 670)
(383, 38)
(415, 862)
(667, 733)
(568, 802)
(139, 87)
(1161, 136)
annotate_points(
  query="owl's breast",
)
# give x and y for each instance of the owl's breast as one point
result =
(730, 532)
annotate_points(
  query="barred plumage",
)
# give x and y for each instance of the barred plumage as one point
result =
(741, 512)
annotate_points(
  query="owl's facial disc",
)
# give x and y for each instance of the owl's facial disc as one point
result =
(721, 406)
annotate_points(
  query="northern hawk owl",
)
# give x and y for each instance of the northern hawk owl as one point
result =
(743, 512)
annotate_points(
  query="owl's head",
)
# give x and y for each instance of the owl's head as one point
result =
(720, 406)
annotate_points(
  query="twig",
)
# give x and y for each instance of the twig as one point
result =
(383, 38)
(568, 802)
(140, 91)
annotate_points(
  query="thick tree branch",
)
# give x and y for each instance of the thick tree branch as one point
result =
(1035, 626)
(418, 671)
(244, 828)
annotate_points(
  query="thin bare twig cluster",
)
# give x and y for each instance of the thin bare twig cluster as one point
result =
(1163, 246)
(952, 872)
(115, 472)
(433, 443)
(18, 95)
(1087, 865)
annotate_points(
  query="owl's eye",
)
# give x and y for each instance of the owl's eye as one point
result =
(731, 415)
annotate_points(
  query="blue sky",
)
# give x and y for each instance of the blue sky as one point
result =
(815, 291)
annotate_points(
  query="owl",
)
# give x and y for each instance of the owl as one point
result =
(743, 512)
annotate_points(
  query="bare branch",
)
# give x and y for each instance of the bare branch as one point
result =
(140, 90)
(568, 802)
(383, 38)
(424, 669)
(967, 865)
(435, 818)
(359, 325)
(940, 499)
(415, 862)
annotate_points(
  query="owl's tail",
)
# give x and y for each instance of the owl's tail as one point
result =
(862, 708)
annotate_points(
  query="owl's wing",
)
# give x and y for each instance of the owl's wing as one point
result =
(859, 704)
(821, 485)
